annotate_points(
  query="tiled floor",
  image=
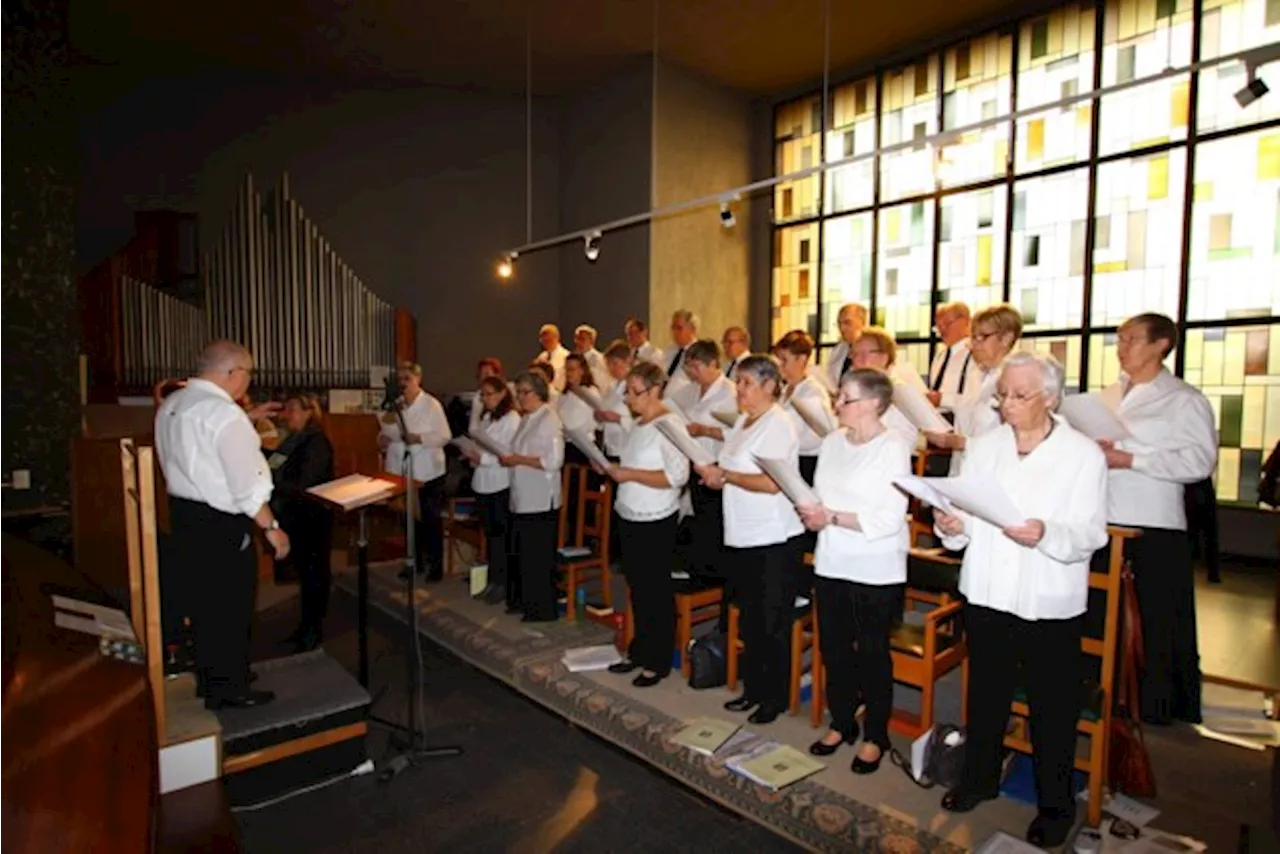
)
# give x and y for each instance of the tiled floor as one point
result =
(1239, 637)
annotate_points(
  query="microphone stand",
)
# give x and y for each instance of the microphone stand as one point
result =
(411, 741)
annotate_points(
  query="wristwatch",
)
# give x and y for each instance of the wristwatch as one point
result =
(274, 526)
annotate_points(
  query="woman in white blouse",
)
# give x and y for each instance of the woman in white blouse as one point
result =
(575, 413)
(485, 368)
(537, 455)
(804, 391)
(996, 329)
(860, 562)
(491, 483)
(1026, 588)
(425, 433)
(714, 393)
(649, 475)
(763, 535)
(616, 419)
(875, 348)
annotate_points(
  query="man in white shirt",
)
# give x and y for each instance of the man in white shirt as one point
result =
(851, 320)
(584, 343)
(219, 485)
(637, 335)
(953, 368)
(1172, 442)
(684, 331)
(553, 353)
(736, 345)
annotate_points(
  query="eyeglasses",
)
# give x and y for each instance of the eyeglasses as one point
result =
(1019, 398)
(845, 401)
(636, 392)
(979, 337)
(521, 392)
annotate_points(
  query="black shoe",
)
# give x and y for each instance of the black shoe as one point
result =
(496, 595)
(864, 766)
(741, 704)
(821, 748)
(534, 618)
(648, 680)
(961, 799)
(243, 700)
(624, 666)
(766, 714)
(1050, 828)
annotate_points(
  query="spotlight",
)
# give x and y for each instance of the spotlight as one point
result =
(507, 265)
(1252, 91)
(591, 246)
(1255, 88)
(727, 219)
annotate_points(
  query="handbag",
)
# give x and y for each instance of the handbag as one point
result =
(943, 758)
(707, 665)
(1129, 765)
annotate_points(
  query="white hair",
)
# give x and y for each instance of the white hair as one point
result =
(584, 329)
(550, 327)
(1052, 376)
(685, 316)
(222, 355)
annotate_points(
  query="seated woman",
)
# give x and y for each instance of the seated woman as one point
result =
(303, 460)
(803, 390)
(491, 483)
(1026, 589)
(616, 421)
(876, 348)
(537, 455)
(650, 476)
(860, 562)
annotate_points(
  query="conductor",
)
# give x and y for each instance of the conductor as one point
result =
(219, 485)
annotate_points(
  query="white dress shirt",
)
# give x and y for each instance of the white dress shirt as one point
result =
(477, 406)
(491, 476)
(425, 416)
(731, 369)
(831, 372)
(902, 372)
(647, 352)
(647, 449)
(720, 396)
(678, 381)
(616, 434)
(556, 359)
(1173, 441)
(575, 413)
(976, 414)
(858, 479)
(759, 518)
(1063, 483)
(961, 370)
(539, 435)
(599, 370)
(209, 450)
(818, 401)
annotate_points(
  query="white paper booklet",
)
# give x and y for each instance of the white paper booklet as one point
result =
(818, 419)
(467, 446)
(591, 396)
(354, 490)
(583, 442)
(490, 444)
(919, 487)
(979, 496)
(679, 436)
(728, 418)
(1089, 414)
(789, 481)
(918, 410)
(587, 658)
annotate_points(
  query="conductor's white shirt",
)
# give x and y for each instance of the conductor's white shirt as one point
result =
(425, 416)
(209, 450)
(1063, 483)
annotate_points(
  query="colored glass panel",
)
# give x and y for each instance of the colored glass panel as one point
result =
(797, 145)
(909, 115)
(851, 132)
(1231, 26)
(795, 280)
(977, 85)
(846, 268)
(916, 355)
(971, 238)
(1064, 348)
(1142, 38)
(904, 276)
(1046, 276)
(1055, 61)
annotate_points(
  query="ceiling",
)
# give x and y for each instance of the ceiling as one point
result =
(757, 46)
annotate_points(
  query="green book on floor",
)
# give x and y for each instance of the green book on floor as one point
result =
(775, 766)
(705, 735)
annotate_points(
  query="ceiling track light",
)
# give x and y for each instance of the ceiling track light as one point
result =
(1256, 87)
(727, 219)
(507, 265)
(591, 246)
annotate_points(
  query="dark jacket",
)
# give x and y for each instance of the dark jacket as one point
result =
(307, 461)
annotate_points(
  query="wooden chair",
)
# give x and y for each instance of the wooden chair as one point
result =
(919, 520)
(1095, 714)
(695, 604)
(462, 524)
(803, 637)
(593, 515)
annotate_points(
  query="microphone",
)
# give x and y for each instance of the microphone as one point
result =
(390, 393)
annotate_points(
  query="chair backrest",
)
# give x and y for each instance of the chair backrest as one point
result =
(568, 475)
(595, 512)
(1104, 578)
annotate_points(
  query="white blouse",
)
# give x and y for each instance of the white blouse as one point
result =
(818, 401)
(1173, 441)
(720, 396)
(975, 414)
(491, 476)
(759, 518)
(425, 416)
(1063, 483)
(539, 435)
(616, 434)
(647, 449)
(858, 479)
(575, 413)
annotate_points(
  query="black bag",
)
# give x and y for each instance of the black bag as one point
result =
(707, 665)
(943, 761)
(1269, 483)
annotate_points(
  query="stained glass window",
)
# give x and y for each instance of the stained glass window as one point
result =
(795, 280)
(1235, 228)
(797, 145)
(977, 84)
(852, 131)
(1046, 277)
(846, 268)
(1238, 369)
(1064, 348)
(971, 237)
(1104, 367)
(904, 277)
(916, 356)
(1055, 61)
(910, 113)
(1142, 38)
(1226, 27)
(1137, 246)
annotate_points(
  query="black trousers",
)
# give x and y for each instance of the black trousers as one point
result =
(708, 544)
(855, 622)
(767, 579)
(496, 518)
(646, 562)
(429, 528)
(311, 550)
(1045, 656)
(1201, 504)
(1164, 581)
(214, 552)
(531, 581)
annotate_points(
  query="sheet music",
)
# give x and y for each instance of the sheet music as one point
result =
(789, 481)
(583, 443)
(1089, 414)
(979, 496)
(490, 444)
(728, 419)
(919, 487)
(819, 420)
(679, 436)
(591, 397)
(468, 447)
(354, 490)
(918, 410)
